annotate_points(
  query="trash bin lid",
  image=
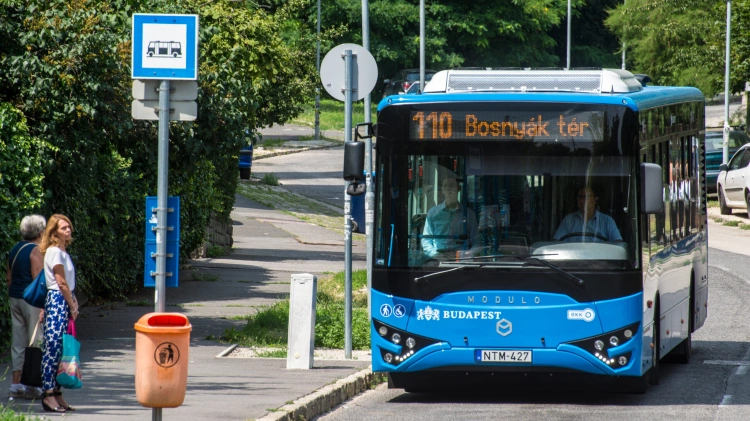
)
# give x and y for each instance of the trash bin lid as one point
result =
(163, 323)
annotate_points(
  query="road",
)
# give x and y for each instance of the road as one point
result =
(316, 174)
(713, 386)
(715, 114)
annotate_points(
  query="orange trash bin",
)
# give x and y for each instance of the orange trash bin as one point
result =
(162, 352)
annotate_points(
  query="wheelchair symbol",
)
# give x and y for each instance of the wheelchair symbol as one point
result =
(386, 310)
(399, 310)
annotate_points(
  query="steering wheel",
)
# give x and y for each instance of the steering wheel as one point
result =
(584, 234)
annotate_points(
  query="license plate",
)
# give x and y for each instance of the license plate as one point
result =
(502, 356)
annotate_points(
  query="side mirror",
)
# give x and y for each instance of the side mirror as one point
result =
(652, 198)
(723, 167)
(364, 131)
(354, 161)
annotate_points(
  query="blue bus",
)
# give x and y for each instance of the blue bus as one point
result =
(536, 226)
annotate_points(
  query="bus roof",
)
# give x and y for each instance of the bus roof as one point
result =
(603, 86)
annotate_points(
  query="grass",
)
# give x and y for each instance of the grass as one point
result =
(216, 251)
(270, 179)
(204, 277)
(745, 227)
(332, 114)
(7, 414)
(269, 326)
(713, 203)
(731, 223)
(272, 353)
(298, 206)
(139, 303)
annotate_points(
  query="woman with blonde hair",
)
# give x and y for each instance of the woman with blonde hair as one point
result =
(25, 261)
(61, 306)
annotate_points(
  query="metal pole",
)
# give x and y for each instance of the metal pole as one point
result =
(725, 158)
(161, 211)
(421, 46)
(366, 45)
(317, 90)
(568, 62)
(369, 204)
(623, 43)
(348, 78)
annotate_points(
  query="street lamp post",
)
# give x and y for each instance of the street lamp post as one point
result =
(725, 157)
(317, 90)
(568, 62)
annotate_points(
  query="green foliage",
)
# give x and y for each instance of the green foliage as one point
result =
(270, 179)
(7, 414)
(66, 66)
(269, 327)
(682, 42)
(21, 191)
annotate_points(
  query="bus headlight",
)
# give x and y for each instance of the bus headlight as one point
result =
(622, 360)
(628, 333)
(614, 341)
(599, 345)
(393, 353)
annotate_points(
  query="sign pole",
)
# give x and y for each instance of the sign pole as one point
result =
(348, 76)
(161, 211)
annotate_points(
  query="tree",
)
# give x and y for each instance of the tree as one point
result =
(682, 42)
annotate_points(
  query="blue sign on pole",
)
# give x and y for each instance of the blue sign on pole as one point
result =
(173, 242)
(165, 47)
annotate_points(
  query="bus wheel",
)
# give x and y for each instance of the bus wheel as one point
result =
(654, 371)
(150, 54)
(174, 55)
(683, 351)
(723, 208)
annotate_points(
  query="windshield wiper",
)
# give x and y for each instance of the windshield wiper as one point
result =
(418, 279)
(576, 280)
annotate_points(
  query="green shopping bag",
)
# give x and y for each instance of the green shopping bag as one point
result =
(69, 370)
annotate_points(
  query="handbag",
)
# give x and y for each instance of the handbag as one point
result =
(69, 370)
(36, 293)
(31, 374)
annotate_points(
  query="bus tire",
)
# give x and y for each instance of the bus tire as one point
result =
(653, 373)
(174, 55)
(723, 208)
(681, 353)
(150, 54)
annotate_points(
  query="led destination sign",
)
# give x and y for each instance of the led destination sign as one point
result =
(493, 125)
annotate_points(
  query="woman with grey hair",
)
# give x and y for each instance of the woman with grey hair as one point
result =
(25, 261)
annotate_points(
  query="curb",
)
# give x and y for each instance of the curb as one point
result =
(291, 151)
(326, 398)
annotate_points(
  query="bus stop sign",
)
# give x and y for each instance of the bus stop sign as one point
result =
(165, 47)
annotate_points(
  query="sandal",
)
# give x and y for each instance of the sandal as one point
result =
(47, 408)
(66, 408)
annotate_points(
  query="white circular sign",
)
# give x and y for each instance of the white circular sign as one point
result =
(364, 72)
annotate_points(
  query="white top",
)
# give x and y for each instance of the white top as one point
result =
(53, 257)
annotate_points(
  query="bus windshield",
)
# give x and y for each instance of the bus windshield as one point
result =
(486, 182)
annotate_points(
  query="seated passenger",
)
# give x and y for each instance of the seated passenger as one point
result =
(448, 226)
(587, 224)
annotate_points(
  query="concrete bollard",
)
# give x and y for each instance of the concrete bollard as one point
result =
(302, 296)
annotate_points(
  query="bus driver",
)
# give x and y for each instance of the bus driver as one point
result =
(587, 224)
(449, 227)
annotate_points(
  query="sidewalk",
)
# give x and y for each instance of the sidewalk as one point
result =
(269, 248)
(290, 135)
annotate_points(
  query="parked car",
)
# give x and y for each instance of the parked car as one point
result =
(715, 153)
(414, 88)
(733, 182)
(400, 82)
